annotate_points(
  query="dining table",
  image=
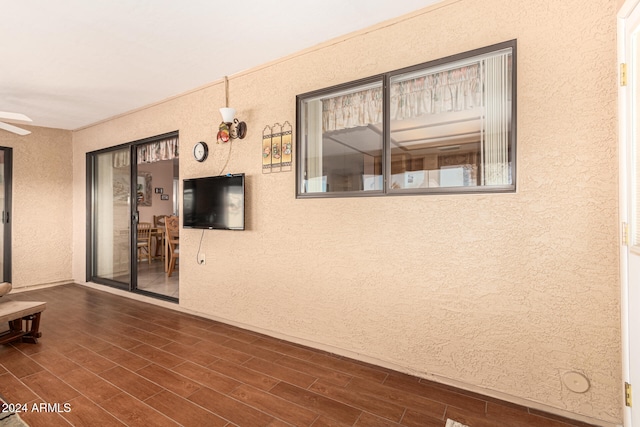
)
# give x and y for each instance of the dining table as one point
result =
(157, 233)
(167, 256)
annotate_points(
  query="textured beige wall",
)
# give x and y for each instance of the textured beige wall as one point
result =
(497, 292)
(42, 206)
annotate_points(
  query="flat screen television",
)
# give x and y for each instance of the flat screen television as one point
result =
(214, 203)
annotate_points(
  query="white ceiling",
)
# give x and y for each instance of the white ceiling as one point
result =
(70, 63)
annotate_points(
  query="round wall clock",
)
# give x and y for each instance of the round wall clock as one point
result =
(200, 151)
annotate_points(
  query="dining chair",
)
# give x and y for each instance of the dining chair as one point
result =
(172, 235)
(158, 220)
(144, 240)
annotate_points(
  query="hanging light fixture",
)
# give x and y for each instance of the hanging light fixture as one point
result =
(230, 128)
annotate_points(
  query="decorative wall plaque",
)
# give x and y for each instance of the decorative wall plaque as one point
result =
(277, 148)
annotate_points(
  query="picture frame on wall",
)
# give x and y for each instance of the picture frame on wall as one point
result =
(164, 197)
(143, 189)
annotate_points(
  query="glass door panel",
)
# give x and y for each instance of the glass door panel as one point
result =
(111, 217)
(5, 207)
(152, 205)
(129, 192)
(4, 213)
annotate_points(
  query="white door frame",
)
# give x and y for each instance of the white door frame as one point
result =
(624, 192)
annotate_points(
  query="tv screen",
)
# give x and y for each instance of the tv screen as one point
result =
(214, 203)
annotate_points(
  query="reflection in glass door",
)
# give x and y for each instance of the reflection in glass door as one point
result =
(110, 197)
(5, 206)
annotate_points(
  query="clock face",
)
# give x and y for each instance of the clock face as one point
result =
(200, 151)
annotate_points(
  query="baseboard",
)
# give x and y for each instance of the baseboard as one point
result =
(16, 290)
(363, 358)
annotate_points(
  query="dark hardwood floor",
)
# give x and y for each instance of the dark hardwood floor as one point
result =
(117, 361)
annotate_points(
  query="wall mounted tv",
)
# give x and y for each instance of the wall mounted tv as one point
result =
(214, 203)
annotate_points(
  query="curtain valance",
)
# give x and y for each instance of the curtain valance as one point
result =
(165, 149)
(445, 91)
(352, 110)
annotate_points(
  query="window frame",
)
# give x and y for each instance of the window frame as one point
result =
(300, 160)
(385, 80)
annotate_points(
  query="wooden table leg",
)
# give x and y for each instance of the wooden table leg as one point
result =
(14, 333)
(33, 333)
(166, 253)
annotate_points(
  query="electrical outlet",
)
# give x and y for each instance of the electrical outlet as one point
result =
(201, 259)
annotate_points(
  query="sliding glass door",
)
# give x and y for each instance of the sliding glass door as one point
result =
(130, 189)
(109, 207)
(5, 206)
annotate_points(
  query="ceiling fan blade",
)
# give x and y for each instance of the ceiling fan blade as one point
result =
(14, 129)
(14, 116)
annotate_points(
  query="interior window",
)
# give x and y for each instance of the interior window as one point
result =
(444, 126)
(343, 145)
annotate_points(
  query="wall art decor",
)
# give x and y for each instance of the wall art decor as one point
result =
(143, 189)
(277, 148)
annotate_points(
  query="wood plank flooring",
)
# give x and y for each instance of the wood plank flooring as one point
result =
(117, 361)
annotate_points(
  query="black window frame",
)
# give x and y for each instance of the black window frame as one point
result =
(385, 79)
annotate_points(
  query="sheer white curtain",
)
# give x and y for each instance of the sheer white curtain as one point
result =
(313, 149)
(496, 123)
